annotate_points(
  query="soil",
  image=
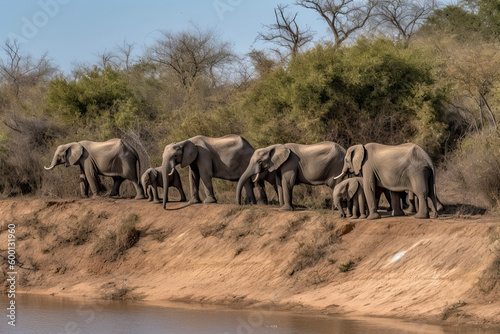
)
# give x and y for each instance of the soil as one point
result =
(443, 270)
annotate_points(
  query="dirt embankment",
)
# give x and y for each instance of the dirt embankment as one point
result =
(437, 270)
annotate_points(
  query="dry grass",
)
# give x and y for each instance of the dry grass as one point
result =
(114, 243)
(471, 175)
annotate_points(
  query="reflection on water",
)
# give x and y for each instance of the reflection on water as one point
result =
(53, 315)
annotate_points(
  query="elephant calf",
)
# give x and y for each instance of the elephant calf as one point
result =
(153, 178)
(351, 189)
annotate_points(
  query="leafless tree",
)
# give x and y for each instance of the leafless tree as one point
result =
(107, 58)
(18, 69)
(403, 16)
(344, 17)
(285, 33)
(191, 54)
(124, 54)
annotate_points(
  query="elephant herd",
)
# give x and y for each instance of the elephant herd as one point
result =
(393, 169)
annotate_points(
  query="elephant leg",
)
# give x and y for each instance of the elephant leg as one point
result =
(396, 204)
(388, 197)
(84, 186)
(249, 191)
(350, 206)
(150, 193)
(139, 192)
(154, 191)
(178, 185)
(206, 178)
(288, 181)
(362, 204)
(194, 183)
(421, 193)
(279, 187)
(115, 191)
(411, 202)
(355, 208)
(261, 189)
(92, 179)
(369, 185)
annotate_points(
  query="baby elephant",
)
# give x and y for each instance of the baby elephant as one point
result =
(152, 179)
(351, 189)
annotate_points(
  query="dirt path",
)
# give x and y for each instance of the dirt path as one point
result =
(434, 270)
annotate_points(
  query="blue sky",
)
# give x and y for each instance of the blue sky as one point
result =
(75, 31)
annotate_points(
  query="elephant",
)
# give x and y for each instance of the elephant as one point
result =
(315, 164)
(225, 158)
(347, 190)
(114, 158)
(405, 167)
(152, 179)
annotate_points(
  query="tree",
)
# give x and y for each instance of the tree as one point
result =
(403, 16)
(191, 54)
(344, 17)
(18, 69)
(285, 33)
(453, 20)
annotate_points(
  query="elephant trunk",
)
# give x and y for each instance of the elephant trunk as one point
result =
(251, 170)
(168, 168)
(53, 163)
(338, 205)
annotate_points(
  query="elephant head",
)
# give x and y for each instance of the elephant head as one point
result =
(345, 190)
(68, 154)
(353, 161)
(183, 153)
(263, 160)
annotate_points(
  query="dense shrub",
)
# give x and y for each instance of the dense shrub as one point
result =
(373, 91)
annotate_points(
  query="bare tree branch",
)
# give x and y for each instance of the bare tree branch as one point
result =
(285, 33)
(344, 17)
(18, 69)
(403, 16)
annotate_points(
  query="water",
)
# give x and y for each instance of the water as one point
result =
(53, 315)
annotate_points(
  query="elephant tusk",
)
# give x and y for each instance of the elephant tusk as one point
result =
(49, 168)
(338, 177)
(172, 172)
(256, 178)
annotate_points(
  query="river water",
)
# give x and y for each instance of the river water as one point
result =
(54, 315)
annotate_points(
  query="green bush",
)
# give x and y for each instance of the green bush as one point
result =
(372, 91)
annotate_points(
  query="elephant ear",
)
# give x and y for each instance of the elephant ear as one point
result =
(352, 189)
(279, 154)
(358, 155)
(73, 153)
(189, 153)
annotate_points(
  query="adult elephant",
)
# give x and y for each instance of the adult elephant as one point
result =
(114, 158)
(224, 158)
(316, 164)
(405, 167)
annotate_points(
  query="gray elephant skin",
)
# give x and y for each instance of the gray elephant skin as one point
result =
(347, 190)
(114, 158)
(405, 167)
(224, 158)
(153, 178)
(315, 164)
